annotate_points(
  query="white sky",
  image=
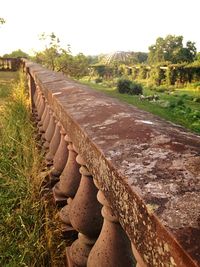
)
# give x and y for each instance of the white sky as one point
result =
(95, 27)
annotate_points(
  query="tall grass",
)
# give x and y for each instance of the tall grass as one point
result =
(21, 215)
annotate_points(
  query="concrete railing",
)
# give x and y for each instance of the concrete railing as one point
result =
(125, 180)
(9, 64)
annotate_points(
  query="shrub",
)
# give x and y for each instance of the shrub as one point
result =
(126, 86)
(175, 103)
(135, 89)
(123, 86)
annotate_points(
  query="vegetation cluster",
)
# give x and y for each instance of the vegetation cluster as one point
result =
(126, 86)
(26, 236)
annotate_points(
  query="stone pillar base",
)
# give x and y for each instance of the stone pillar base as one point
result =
(59, 199)
(69, 233)
(69, 262)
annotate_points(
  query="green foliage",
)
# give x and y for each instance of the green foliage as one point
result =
(197, 57)
(136, 89)
(160, 89)
(157, 75)
(138, 57)
(123, 86)
(143, 72)
(16, 54)
(2, 21)
(104, 71)
(101, 70)
(78, 67)
(176, 102)
(170, 49)
(126, 86)
(135, 73)
(57, 58)
(171, 75)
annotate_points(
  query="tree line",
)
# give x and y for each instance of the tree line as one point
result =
(168, 60)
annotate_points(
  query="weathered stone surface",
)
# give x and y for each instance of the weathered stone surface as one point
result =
(148, 169)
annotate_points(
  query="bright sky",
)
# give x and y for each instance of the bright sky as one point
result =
(94, 27)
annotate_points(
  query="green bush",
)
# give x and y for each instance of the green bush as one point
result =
(123, 86)
(126, 86)
(135, 89)
(178, 102)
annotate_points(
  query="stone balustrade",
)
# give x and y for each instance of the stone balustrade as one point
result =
(9, 64)
(125, 180)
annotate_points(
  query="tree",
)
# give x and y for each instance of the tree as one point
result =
(57, 58)
(52, 50)
(138, 57)
(171, 50)
(2, 21)
(187, 54)
(197, 57)
(16, 53)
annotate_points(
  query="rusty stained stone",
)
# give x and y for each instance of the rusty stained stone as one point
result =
(147, 168)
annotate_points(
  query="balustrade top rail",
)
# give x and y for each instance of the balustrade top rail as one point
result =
(148, 169)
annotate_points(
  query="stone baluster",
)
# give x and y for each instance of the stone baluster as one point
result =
(50, 130)
(43, 127)
(138, 258)
(54, 144)
(44, 114)
(35, 101)
(112, 248)
(41, 107)
(59, 162)
(85, 217)
(69, 179)
(61, 154)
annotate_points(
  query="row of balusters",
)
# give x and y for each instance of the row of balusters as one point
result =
(83, 208)
(5, 64)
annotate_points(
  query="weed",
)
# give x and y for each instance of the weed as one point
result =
(21, 217)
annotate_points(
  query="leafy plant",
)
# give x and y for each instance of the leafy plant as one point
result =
(126, 86)
(135, 89)
(123, 86)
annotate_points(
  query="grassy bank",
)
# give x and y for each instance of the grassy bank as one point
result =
(178, 106)
(6, 81)
(25, 225)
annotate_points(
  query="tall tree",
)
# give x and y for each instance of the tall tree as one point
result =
(59, 59)
(138, 57)
(51, 52)
(170, 49)
(17, 53)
